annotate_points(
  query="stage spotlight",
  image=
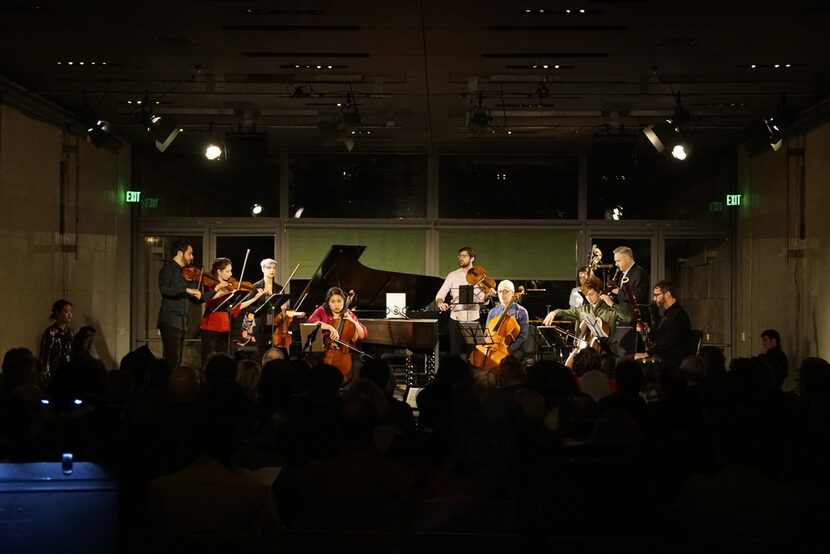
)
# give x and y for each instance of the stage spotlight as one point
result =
(680, 149)
(776, 134)
(213, 151)
(256, 210)
(163, 131)
(98, 132)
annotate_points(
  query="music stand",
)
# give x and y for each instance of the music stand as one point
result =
(273, 302)
(316, 345)
(474, 334)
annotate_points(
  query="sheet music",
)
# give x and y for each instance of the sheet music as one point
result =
(594, 325)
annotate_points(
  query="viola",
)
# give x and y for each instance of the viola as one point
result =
(337, 351)
(504, 330)
(281, 337)
(477, 275)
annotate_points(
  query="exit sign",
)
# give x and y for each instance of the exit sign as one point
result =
(733, 199)
(133, 196)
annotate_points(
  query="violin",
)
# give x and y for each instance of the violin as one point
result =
(337, 351)
(478, 276)
(191, 273)
(504, 330)
(281, 337)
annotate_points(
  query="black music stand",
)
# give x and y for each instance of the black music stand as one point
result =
(474, 334)
(551, 342)
(229, 304)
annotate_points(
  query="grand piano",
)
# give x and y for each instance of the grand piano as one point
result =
(417, 332)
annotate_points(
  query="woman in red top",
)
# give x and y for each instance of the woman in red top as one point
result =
(216, 323)
(329, 314)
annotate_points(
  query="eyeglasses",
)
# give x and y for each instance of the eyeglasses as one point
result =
(656, 294)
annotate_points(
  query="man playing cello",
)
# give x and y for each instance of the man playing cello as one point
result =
(506, 292)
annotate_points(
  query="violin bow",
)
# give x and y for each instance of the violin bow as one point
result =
(244, 265)
(289, 278)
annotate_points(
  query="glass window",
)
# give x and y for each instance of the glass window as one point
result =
(488, 187)
(654, 186)
(186, 184)
(365, 185)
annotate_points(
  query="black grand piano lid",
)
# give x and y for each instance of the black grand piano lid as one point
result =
(341, 268)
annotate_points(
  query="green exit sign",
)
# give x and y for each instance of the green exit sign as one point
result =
(733, 199)
(133, 196)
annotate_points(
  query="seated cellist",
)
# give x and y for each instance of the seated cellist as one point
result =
(598, 305)
(506, 291)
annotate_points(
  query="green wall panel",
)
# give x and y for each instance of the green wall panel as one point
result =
(401, 250)
(512, 253)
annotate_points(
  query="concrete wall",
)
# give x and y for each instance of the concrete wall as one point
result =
(784, 247)
(89, 263)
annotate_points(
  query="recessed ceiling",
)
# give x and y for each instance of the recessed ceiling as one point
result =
(415, 69)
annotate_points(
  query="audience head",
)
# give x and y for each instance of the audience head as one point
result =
(511, 372)
(379, 372)
(276, 385)
(219, 367)
(713, 358)
(272, 354)
(694, 368)
(770, 338)
(83, 340)
(586, 360)
(324, 382)
(813, 377)
(183, 384)
(630, 379)
(19, 368)
(61, 312)
(247, 375)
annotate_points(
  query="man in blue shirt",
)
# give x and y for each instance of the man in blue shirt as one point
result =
(506, 292)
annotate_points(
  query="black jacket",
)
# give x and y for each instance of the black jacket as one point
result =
(671, 337)
(638, 280)
(174, 299)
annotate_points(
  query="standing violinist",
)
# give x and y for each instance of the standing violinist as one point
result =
(264, 318)
(599, 306)
(506, 291)
(176, 292)
(459, 312)
(215, 326)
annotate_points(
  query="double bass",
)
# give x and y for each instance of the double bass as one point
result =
(504, 331)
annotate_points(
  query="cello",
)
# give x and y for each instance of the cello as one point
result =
(338, 351)
(504, 330)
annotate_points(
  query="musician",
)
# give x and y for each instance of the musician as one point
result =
(215, 326)
(176, 292)
(637, 277)
(459, 312)
(329, 314)
(598, 305)
(671, 336)
(264, 318)
(506, 292)
(577, 299)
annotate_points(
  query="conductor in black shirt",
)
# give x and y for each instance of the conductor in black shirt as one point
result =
(176, 294)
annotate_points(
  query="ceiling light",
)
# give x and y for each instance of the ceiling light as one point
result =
(256, 210)
(680, 151)
(776, 134)
(213, 151)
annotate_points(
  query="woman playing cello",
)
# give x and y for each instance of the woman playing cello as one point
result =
(330, 316)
